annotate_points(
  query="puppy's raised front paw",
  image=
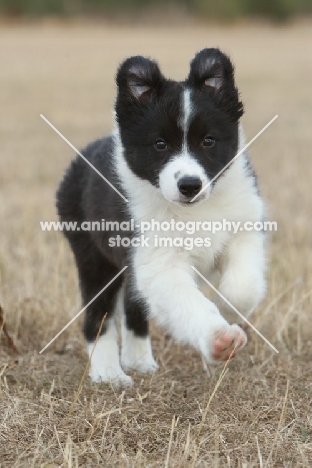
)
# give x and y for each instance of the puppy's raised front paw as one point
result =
(226, 343)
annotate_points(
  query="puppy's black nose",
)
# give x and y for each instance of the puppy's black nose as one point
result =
(189, 186)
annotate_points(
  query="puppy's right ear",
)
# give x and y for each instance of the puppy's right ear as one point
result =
(139, 78)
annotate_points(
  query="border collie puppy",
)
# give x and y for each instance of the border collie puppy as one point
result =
(170, 140)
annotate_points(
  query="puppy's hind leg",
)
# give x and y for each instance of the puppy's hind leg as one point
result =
(136, 351)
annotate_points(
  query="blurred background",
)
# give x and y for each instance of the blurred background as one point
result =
(279, 10)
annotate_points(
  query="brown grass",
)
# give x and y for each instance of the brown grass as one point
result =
(255, 414)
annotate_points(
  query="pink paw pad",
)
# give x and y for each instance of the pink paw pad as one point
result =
(227, 343)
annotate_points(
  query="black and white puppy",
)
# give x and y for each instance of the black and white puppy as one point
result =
(170, 139)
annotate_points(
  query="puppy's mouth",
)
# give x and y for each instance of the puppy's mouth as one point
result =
(189, 202)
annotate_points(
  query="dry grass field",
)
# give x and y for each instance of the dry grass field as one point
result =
(258, 412)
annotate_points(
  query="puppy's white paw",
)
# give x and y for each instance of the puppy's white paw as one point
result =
(145, 366)
(226, 343)
(114, 376)
(136, 353)
(105, 365)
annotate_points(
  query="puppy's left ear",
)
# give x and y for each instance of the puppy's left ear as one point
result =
(212, 71)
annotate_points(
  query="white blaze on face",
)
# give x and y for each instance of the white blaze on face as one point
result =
(182, 164)
(187, 112)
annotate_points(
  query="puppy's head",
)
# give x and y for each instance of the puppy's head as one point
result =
(178, 135)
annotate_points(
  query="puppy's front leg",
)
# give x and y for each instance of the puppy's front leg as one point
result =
(242, 280)
(167, 283)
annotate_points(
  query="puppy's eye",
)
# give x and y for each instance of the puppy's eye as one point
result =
(160, 145)
(209, 141)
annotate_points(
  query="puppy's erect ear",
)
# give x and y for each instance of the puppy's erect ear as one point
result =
(211, 68)
(139, 77)
(212, 71)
